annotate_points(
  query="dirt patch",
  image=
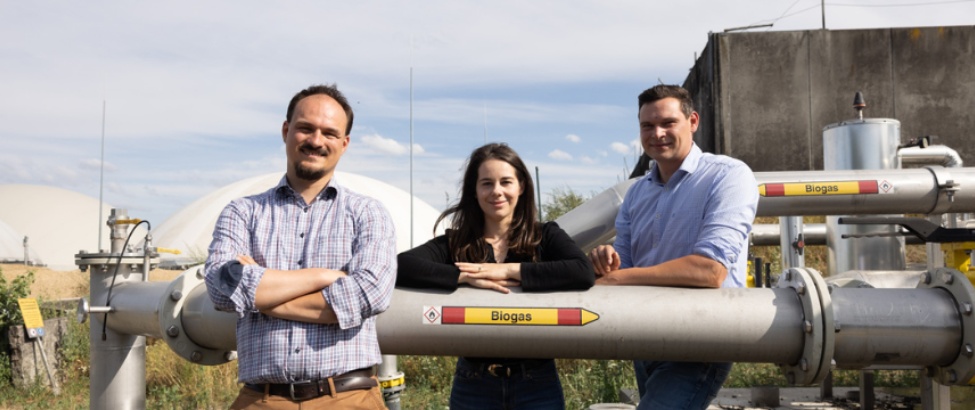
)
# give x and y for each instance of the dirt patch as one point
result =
(52, 285)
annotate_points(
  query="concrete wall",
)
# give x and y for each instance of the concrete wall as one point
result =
(765, 97)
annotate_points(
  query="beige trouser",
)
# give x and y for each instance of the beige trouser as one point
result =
(250, 399)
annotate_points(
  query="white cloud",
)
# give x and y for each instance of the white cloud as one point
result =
(560, 155)
(95, 165)
(573, 138)
(620, 148)
(636, 145)
(389, 145)
(585, 159)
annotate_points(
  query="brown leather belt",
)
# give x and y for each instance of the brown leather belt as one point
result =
(300, 391)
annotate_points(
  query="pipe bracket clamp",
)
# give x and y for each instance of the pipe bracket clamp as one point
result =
(946, 189)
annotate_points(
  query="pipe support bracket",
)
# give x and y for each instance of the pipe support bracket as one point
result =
(946, 189)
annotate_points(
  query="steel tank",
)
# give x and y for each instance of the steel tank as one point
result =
(863, 144)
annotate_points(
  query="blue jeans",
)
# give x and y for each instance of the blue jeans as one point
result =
(531, 384)
(678, 385)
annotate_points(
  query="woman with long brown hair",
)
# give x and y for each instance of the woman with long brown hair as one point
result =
(494, 242)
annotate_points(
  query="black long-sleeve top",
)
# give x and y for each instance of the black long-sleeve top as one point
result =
(561, 266)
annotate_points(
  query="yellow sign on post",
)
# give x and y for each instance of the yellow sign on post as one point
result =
(33, 320)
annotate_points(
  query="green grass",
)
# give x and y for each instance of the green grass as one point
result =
(174, 383)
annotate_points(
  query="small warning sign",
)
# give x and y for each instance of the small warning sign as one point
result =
(431, 315)
(33, 320)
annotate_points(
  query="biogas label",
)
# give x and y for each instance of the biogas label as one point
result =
(867, 187)
(512, 317)
(507, 316)
(822, 189)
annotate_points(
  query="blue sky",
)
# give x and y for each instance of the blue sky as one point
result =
(196, 90)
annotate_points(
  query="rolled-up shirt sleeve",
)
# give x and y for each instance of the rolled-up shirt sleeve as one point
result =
(232, 286)
(368, 288)
(728, 217)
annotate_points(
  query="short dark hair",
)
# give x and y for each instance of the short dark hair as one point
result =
(661, 91)
(327, 89)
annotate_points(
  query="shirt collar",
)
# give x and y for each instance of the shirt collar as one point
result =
(689, 165)
(330, 191)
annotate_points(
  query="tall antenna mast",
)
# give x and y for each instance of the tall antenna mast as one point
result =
(101, 180)
(822, 7)
(411, 142)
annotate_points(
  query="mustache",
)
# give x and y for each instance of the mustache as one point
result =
(308, 148)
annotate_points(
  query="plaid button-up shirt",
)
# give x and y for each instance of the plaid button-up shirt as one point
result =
(340, 230)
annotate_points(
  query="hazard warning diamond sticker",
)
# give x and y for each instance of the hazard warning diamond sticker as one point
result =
(431, 315)
(886, 186)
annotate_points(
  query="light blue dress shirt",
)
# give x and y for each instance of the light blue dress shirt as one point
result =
(706, 208)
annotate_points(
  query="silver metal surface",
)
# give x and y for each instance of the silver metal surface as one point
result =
(895, 327)
(818, 342)
(748, 325)
(594, 222)
(117, 374)
(912, 191)
(861, 145)
(932, 155)
(793, 253)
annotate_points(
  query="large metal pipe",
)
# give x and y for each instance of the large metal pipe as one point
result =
(812, 234)
(895, 327)
(594, 222)
(750, 325)
(899, 191)
(803, 324)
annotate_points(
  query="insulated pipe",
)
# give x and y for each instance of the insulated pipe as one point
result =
(803, 324)
(812, 234)
(905, 191)
(929, 190)
(594, 222)
(932, 155)
(770, 234)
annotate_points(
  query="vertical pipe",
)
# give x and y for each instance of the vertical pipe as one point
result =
(118, 360)
(792, 242)
(101, 180)
(392, 380)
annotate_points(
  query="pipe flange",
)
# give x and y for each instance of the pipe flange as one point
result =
(817, 324)
(171, 325)
(961, 371)
(105, 260)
